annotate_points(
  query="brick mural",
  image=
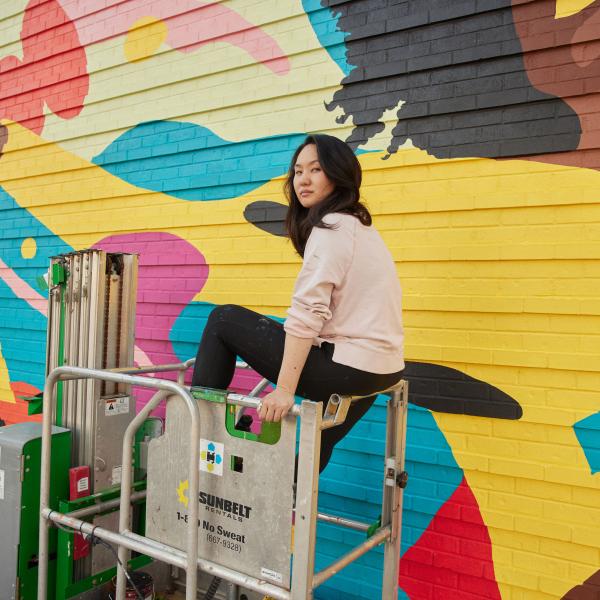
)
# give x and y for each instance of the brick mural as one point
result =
(166, 127)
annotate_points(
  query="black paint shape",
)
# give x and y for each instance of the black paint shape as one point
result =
(458, 66)
(446, 390)
(268, 216)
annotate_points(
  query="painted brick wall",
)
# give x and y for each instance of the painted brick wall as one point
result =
(166, 128)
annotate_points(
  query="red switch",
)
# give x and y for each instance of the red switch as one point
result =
(79, 487)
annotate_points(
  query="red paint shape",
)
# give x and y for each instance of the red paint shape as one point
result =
(16, 412)
(53, 69)
(452, 559)
(190, 25)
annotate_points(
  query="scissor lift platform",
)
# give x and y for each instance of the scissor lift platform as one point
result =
(222, 500)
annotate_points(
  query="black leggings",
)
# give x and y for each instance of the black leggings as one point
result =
(233, 331)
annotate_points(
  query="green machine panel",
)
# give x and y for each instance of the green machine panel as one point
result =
(20, 459)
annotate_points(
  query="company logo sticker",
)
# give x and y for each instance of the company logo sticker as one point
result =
(211, 457)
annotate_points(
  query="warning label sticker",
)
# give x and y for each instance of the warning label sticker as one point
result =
(272, 575)
(83, 484)
(116, 475)
(116, 406)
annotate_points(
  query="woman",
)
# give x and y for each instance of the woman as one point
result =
(343, 333)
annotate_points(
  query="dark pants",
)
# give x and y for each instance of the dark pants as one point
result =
(233, 331)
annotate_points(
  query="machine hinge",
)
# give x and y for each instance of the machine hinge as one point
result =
(402, 479)
(22, 468)
(393, 477)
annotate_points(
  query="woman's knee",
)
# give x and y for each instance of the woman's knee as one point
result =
(223, 312)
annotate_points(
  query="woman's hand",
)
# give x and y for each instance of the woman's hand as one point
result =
(276, 405)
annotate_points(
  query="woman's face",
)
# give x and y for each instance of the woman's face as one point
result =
(311, 184)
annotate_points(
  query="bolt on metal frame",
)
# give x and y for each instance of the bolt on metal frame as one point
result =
(313, 421)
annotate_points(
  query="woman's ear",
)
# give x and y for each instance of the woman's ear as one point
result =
(268, 216)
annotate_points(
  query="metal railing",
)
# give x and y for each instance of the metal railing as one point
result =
(304, 579)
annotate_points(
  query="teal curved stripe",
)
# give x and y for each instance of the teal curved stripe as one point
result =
(324, 22)
(588, 435)
(190, 162)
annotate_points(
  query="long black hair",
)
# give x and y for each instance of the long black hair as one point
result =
(343, 169)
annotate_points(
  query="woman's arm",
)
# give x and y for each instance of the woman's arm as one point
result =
(277, 404)
(327, 256)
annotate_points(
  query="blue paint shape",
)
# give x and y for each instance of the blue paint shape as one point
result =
(190, 162)
(433, 478)
(324, 21)
(22, 339)
(22, 327)
(187, 330)
(16, 225)
(588, 435)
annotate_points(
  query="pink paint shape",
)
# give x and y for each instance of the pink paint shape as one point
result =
(22, 290)
(170, 273)
(452, 560)
(190, 23)
(53, 70)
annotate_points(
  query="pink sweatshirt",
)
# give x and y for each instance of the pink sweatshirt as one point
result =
(348, 293)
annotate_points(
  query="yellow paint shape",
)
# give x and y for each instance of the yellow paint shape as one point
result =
(517, 503)
(144, 38)
(28, 248)
(6, 393)
(566, 8)
(482, 239)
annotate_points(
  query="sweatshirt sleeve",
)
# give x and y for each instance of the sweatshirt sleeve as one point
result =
(327, 256)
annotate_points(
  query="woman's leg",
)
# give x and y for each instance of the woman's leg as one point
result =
(233, 331)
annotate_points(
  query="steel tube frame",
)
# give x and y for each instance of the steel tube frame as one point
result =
(302, 583)
(66, 373)
(343, 522)
(377, 538)
(306, 501)
(101, 507)
(136, 496)
(127, 478)
(164, 553)
(396, 449)
(212, 568)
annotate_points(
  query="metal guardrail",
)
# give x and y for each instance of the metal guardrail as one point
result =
(304, 578)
